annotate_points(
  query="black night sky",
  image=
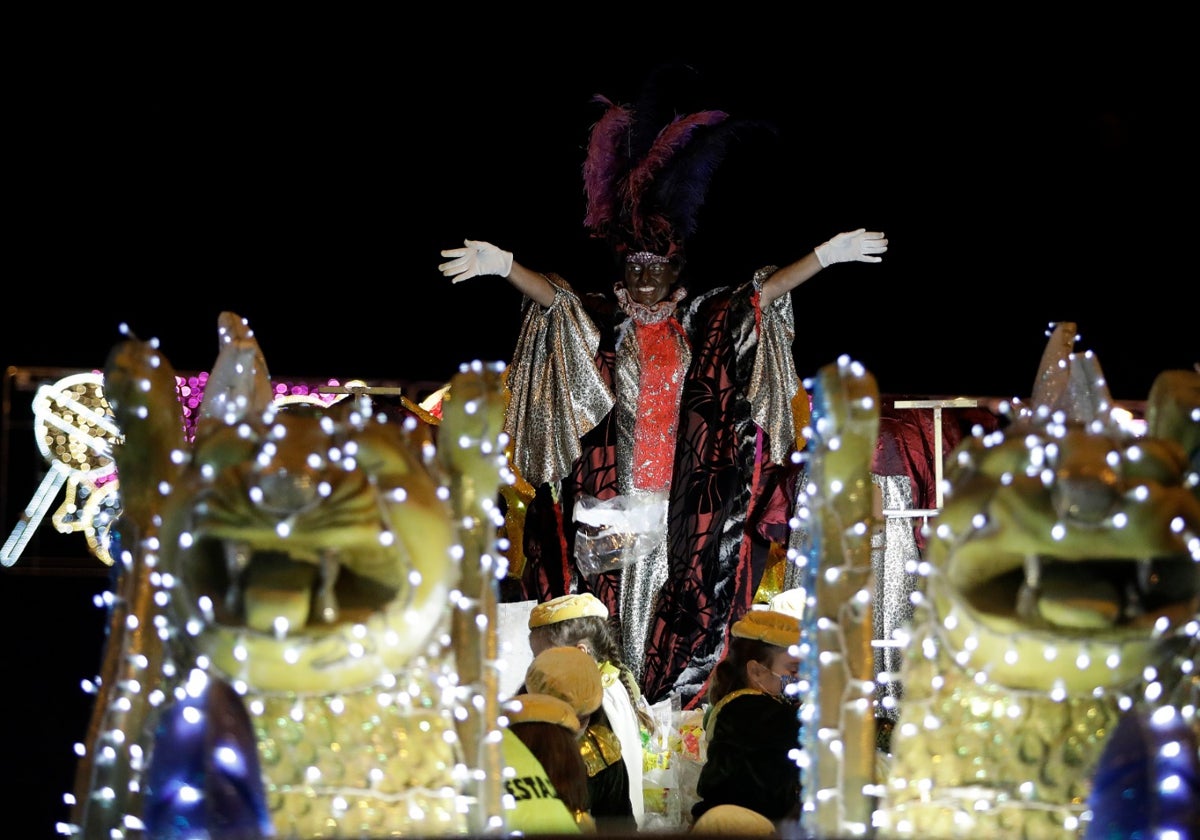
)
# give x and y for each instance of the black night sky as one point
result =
(311, 189)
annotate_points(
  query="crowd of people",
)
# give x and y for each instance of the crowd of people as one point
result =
(586, 731)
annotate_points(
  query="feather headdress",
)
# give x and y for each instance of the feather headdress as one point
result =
(648, 168)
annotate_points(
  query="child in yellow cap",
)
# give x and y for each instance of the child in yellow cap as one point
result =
(582, 621)
(753, 723)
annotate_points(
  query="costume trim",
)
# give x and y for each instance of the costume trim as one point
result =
(711, 716)
(600, 749)
(553, 366)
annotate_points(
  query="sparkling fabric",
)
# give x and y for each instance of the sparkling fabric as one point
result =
(652, 357)
(728, 501)
(663, 357)
(557, 395)
(769, 393)
(894, 557)
(640, 585)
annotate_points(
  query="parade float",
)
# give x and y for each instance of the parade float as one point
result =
(300, 638)
(302, 629)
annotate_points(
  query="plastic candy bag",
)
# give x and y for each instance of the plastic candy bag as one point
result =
(618, 532)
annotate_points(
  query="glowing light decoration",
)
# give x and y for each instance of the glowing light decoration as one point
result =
(838, 733)
(75, 433)
(306, 630)
(1063, 629)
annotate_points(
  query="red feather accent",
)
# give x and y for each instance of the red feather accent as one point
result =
(606, 160)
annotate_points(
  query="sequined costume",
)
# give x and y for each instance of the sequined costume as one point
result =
(579, 420)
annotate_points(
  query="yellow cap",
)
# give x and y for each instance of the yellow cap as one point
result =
(733, 819)
(541, 708)
(774, 628)
(790, 601)
(567, 673)
(564, 607)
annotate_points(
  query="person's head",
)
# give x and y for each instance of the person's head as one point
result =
(535, 707)
(550, 729)
(762, 655)
(580, 621)
(649, 278)
(571, 675)
(649, 164)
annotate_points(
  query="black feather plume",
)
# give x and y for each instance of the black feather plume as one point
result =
(649, 166)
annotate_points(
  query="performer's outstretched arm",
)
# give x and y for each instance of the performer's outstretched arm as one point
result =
(477, 257)
(858, 245)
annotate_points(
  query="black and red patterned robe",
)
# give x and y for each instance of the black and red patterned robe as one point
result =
(732, 490)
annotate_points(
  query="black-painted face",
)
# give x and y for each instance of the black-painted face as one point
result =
(649, 283)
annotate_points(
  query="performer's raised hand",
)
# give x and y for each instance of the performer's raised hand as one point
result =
(858, 245)
(475, 258)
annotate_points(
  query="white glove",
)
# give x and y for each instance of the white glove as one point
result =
(856, 245)
(475, 259)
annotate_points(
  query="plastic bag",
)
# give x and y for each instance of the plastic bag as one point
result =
(673, 757)
(618, 532)
(659, 786)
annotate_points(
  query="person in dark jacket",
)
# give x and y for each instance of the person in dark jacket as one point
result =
(753, 725)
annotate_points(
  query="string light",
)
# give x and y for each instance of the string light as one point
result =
(341, 749)
(1001, 702)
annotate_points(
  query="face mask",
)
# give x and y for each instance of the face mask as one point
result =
(786, 681)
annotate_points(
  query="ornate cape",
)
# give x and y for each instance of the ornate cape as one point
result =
(729, 500)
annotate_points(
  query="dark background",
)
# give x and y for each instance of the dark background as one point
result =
(309, 185)
(306, 177)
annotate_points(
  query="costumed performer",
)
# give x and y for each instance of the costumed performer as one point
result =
(655, 423)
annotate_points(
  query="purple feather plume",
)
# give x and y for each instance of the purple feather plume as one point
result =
(606, 160)
(648, 166)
